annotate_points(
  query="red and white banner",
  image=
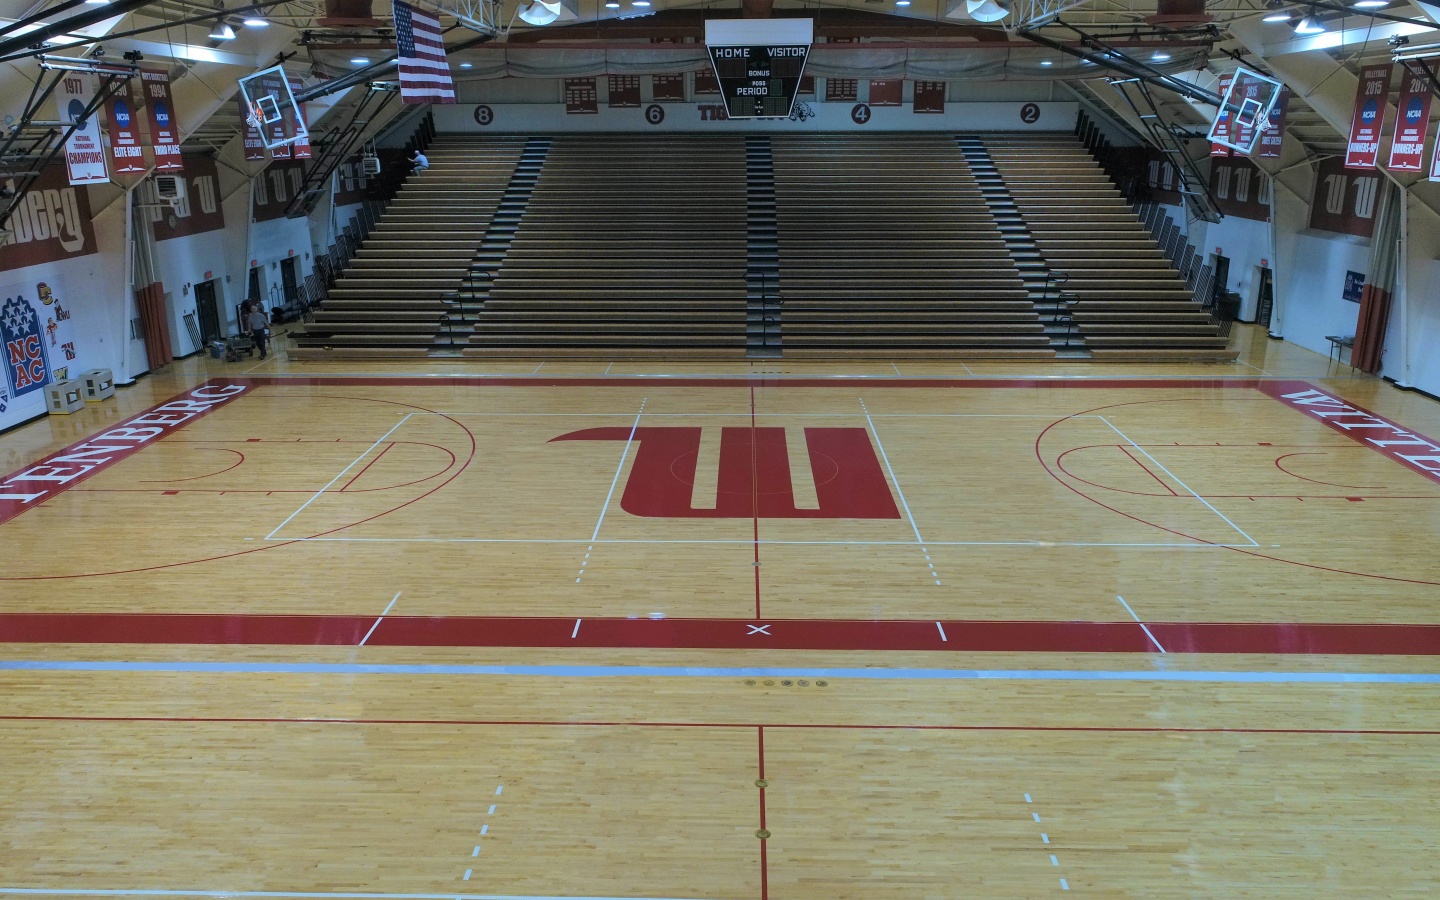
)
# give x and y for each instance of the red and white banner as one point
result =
(1407, 147)
(254, 146)
(1273, 136)
(164, 129)
(420, 46)
(127, 150)
(60, 471)
(1221, 128)
(1363, 150)
(84, 154)
(301, 148)
(1410, 449)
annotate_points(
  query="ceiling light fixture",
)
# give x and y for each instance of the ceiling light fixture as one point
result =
(641, 3)
(1309, 25)
(612, 4)
(359, 61)
(255, 22)
(976, 10)
(1279, 15)
(1371, 4)
(902, 2)
(222, 32)
(465, 65)
(1047, 63)
(544, 12)
(1160, 56)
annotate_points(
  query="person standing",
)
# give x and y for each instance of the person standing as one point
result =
(259, 326)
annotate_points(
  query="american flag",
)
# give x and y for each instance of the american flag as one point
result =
(424, 74)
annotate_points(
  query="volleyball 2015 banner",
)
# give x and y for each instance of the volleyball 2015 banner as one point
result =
(1363, 150)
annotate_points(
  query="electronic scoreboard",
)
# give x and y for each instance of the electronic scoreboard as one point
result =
(758, 63)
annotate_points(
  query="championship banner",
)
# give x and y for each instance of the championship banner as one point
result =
(127, 150)
(302, 146)
(164, 130)
(1407, 147)
(84, 154)
(1222, 121)
(1273, 136)
(1363, 150)
(254, 146)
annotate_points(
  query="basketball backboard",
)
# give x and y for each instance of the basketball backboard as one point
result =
(1244, 112)
(271, 108)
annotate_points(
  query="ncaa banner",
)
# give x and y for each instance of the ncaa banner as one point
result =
(1407, 147)
(164, 130)
(301, 148)
(1273, 136)
(84, 154)
(27, 366)
(1363, 149)
(127, 151)
(1222, 121)
(254, 146)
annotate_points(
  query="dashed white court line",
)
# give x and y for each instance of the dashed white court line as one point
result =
(538, 368)
(1045, 839)
(1157, 462)
(577, 629)
(1142, 625)
(942, 632)
(342, 474)
(381, 619)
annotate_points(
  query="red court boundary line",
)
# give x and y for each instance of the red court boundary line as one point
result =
(742, 382)
(1024, 636)
(794, 726)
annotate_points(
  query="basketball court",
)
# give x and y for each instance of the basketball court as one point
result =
(697, 633)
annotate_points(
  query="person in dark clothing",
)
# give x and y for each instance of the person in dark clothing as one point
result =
(259, 326)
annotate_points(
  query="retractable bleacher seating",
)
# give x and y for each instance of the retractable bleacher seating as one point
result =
(1129, 302)
(887, 248)
(630, 245)
(390, 299)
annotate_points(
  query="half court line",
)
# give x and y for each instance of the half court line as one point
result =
(1253, 542)
(868, 674)
(1191, 545)
(396, 427)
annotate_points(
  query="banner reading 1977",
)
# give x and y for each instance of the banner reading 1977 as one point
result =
(1363, 150)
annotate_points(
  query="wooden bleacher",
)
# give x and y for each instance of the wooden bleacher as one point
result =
(1130, 303)
(887, 248)
(630, 245)
(390, 299)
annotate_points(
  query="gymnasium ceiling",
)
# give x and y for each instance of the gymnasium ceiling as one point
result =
(321, 43)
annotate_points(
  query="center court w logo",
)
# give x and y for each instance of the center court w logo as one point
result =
(754, 477)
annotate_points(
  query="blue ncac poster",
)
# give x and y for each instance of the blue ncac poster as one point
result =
(27, 367)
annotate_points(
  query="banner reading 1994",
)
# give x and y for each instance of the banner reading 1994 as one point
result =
(1363, 150)
(164, 129)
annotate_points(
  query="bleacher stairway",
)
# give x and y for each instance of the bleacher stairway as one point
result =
(392, 299)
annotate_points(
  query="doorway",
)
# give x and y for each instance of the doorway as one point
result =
(289, 283)
(208, 307)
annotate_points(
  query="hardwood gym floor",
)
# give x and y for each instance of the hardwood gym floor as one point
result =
(992, 629)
